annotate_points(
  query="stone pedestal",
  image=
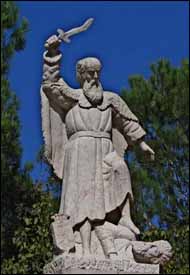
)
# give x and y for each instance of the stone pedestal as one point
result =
(67, 264)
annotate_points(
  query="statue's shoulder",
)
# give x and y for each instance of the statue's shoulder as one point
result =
(76, 94)
(110, 94)
(112, 98)
(69, 92)
(119, 105)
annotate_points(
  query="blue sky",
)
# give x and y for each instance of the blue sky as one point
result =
(126, 36)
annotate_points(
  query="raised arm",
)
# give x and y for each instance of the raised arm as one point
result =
(59, 93)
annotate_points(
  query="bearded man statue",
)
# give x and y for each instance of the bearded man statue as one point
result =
(80, 126)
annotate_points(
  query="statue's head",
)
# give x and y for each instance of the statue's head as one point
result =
(88, 71)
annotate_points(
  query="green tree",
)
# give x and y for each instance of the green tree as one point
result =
(25, 208)
(12, 39)
(179, 239)
(161, 187)
(32, 237)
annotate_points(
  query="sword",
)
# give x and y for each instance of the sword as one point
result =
(64, 36)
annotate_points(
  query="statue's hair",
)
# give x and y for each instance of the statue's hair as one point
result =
(86, 64)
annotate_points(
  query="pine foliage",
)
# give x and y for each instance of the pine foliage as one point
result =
(161, 187)
(26, 209)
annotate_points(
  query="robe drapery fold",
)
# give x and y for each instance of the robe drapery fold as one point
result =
(91, 187)
(95, 179)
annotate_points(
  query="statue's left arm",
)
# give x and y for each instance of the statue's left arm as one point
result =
(128, 124)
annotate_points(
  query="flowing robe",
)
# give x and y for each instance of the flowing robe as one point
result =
(85, 193)
(95, 179)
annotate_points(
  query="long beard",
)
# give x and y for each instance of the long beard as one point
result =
(93, 91)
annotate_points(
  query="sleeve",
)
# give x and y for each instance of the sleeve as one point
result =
(127, 123)
(59, 93)
(51, 67)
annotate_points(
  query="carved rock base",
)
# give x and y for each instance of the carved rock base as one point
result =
(68, 264)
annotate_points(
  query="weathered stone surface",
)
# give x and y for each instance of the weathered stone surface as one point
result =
(86, 132)
(62, 233)
(158, 252)
(73, 265)
(79, 127)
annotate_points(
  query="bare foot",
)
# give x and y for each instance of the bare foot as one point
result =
(128, 223)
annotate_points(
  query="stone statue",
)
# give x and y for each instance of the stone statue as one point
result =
(86, 133)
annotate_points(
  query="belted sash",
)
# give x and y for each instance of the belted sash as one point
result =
(95, 134)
